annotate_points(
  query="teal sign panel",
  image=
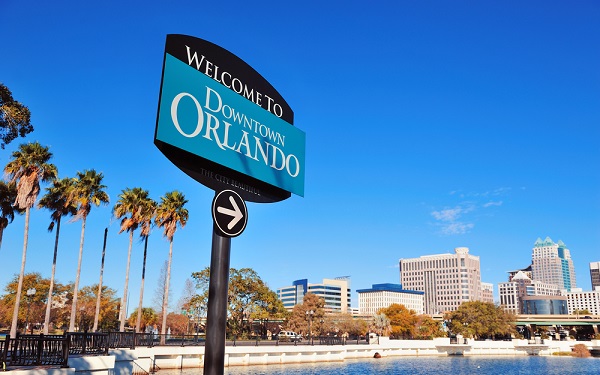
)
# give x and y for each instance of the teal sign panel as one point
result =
(227, 133)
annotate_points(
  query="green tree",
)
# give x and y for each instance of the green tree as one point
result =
(15, 118)
(247, 295)
(267, 307)
(87, 191)
(57, 202)
(170, 214)
(8, 194)
(402, 321)
(29, 166)
(480, 320)
(147, 213)
(128, 208)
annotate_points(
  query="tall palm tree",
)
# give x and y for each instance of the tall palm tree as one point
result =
(8, 194)
(146, 218)
(56, 200)
(29, 166)
(169, 214)
(87, 190)
(129, 208)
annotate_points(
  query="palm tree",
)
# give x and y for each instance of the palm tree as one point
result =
(146, 217)
(56, 200)
(99, 293)
(8, 194)
(169, 213)
(29, 165)
(87, 190)
(129, 208)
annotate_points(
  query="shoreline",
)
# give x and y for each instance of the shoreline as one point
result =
(125, 361)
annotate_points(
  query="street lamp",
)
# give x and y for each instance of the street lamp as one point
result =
(30, 293)
(309, 314)
(82, 319)
(197, 320)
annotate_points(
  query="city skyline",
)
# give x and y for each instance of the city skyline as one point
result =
(428, 128)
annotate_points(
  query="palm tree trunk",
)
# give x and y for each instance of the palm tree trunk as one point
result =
(99, 297)
(138, 323)
(124, 299)
(51, 288)
(76, 288)
(163, 329)
(1, 233)
(15, 318)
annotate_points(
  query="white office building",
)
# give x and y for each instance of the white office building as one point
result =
(578, 300)
(370, 301)
(336, 293)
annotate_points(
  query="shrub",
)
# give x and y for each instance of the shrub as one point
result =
(580, 350)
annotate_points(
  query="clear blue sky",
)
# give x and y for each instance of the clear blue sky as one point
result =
(430, 125)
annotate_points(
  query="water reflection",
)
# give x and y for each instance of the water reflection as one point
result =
(423, 366)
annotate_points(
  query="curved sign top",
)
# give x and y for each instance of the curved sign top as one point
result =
(223, 124)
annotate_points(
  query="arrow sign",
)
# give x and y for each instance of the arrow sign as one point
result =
(235, 213)
(230, 214)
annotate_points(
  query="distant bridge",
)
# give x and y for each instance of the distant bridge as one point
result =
(559, 320)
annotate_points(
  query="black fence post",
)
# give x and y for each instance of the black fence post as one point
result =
(40, 349)
(84, 342)
(66, 344)
(4, 351)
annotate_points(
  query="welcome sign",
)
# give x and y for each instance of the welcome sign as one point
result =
(224, 125)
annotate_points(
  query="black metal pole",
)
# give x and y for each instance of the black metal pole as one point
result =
(216, 317)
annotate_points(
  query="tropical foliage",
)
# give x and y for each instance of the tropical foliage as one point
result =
(8, 194)
(129, 208)
(87, 191)
(28, 167)
(15, 118)
(170, 214)
(57, 202)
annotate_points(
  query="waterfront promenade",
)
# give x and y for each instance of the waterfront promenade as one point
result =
(142, 360)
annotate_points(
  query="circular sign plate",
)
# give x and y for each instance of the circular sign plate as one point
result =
(230, 213)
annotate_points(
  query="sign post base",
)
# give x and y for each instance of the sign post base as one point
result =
(216, 318)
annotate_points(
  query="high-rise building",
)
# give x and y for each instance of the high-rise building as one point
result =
(383, 295)
(336, 293)
(595, 274)
(447, 280)
(552, 264)
(520, 286)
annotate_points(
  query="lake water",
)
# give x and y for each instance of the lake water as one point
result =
(423, 366)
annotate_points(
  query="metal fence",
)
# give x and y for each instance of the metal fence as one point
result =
(54, 350)
(34, 350)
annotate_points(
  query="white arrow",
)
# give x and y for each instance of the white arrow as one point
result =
(236, 213)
